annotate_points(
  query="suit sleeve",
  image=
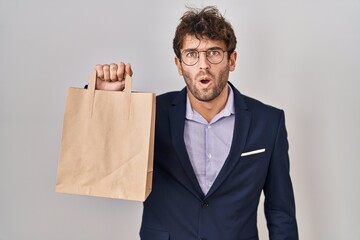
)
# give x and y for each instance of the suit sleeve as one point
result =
(279, 197)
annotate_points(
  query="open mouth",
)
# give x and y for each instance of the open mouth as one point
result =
(204, 81)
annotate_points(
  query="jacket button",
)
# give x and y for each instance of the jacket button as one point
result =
(204, 205)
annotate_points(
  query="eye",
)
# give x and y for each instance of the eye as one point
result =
(213, 53)
(191, 54)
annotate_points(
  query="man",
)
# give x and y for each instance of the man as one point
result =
(216, 150)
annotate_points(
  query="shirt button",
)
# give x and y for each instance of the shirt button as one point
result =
(209, 126)
(209, 155)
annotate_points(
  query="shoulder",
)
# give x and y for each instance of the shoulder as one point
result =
(167, 97)
(256, 107)
(166, 100)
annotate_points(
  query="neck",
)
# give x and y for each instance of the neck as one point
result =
(208, 110)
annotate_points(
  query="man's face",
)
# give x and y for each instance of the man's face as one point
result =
(204, 80)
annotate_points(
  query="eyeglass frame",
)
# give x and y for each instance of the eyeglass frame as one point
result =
(205, 51)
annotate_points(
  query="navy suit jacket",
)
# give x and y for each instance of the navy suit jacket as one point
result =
(177, 209)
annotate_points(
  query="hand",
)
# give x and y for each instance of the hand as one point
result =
(111, 77)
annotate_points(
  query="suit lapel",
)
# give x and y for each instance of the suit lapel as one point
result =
(177, 124)
(241, 129)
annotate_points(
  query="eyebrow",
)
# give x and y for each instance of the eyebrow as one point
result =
(196, 49)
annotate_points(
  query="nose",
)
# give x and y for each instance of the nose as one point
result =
(203, 61)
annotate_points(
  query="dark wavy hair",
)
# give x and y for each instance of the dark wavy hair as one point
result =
(207, 22)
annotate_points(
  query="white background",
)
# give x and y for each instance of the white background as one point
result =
(301, 56)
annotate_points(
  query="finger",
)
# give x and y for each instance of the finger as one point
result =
(99, 71)
(120, 71)
(128, 69)
(106, 69)
(113, 72)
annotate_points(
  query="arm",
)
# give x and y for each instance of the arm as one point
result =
(279, 197)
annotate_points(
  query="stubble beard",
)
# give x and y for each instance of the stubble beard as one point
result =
(213, 91)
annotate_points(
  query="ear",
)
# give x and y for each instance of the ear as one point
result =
(178, 65)
(232, 61)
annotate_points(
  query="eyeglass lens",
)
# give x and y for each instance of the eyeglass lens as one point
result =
(191, 57)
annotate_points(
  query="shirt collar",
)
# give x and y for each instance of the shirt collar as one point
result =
(229, 109)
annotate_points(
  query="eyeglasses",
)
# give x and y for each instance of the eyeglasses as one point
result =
(191, 56)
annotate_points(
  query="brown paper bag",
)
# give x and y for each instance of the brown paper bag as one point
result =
(107, 143)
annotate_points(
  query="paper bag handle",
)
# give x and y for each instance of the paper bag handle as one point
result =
(91, 90)
(92, 82)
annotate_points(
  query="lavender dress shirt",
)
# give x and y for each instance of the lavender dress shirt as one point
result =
(208, 143)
